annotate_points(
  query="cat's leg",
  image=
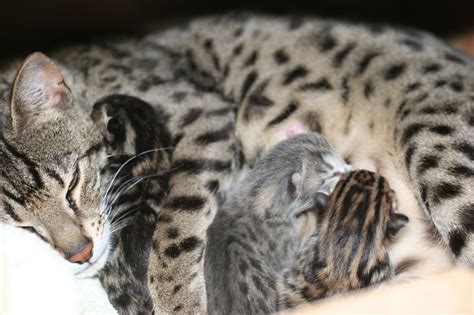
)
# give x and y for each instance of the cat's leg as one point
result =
(438, 154)
(203, 156)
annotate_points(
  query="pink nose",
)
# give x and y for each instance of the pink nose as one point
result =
(83, 255)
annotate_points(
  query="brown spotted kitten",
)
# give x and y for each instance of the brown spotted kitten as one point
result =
(139, 147)
(132, 127)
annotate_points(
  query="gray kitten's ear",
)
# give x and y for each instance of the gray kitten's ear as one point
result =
(294, 184)
(39, 92)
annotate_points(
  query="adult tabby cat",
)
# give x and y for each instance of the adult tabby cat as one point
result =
(396, 101)
(48, 149)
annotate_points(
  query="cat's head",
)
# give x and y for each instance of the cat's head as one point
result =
(355, 230)
(51, 159)
(296, 171)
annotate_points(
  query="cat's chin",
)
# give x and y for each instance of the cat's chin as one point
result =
(100, 254)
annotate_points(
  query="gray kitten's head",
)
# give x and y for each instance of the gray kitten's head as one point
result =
(293, 172)
(51, 157)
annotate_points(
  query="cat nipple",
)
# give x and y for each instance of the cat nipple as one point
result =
(294, 130)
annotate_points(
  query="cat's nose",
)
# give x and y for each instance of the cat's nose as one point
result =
(83, 254)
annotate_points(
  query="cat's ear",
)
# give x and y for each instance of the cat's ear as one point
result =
(396, 222)
(294, 184)
(39, 92)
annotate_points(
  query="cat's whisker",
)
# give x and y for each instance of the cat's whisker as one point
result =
(128, 161)
(123, 189)
(119, 226)
(129, 184)
(116, 154)
(120, 191)
(118, 217)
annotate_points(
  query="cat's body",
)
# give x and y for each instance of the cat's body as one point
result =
(398, 102)
(395, 101)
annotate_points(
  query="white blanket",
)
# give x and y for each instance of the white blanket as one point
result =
(35, 279)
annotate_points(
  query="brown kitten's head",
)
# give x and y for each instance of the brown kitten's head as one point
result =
(139, 146)
(356, 228)
(51, 157)
(130, 125)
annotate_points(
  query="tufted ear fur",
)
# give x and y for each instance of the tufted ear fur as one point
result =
(39, 92)
(397, 221)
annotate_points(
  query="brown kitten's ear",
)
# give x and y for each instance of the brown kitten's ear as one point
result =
(39, 92)
(396, 222)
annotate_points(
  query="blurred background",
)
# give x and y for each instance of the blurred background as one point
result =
(37, 25)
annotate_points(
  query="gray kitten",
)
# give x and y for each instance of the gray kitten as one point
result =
(256, 236)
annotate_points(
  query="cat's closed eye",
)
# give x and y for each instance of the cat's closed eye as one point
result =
(74, 180)
(72, 186)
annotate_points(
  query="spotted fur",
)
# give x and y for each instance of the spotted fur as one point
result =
(384, 105)
(130, 127)
(397, 101)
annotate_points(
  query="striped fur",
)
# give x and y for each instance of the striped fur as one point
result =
(348, 251)
(51, 158)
